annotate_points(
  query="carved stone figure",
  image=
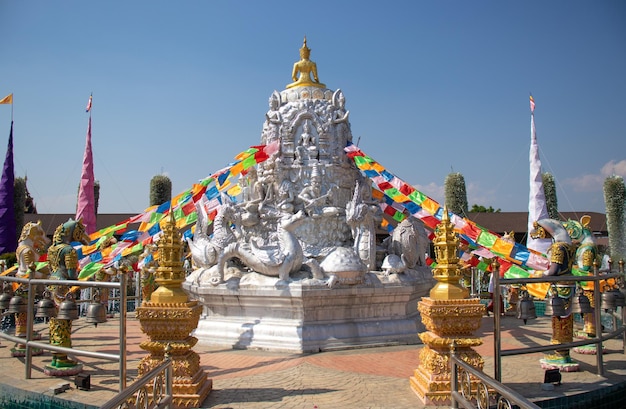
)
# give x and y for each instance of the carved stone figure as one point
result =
(408, 243)
(273, 118)
(276, 261)
(31, 243)
(63, 261)
(561, 258)
(361, 217)
(586, 255)
(204, 249)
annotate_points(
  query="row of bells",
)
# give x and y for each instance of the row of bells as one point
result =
(68, 310)
(556, 306)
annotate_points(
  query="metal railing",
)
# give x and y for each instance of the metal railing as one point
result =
(597, 340)
(30, 344)
(139, 395)
(463, 375)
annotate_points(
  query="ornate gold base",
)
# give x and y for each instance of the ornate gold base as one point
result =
(170, 324)
(448, 321)
(190, 386)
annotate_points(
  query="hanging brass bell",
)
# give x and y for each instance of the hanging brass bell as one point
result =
(608, 300)
(68, 310)
(581, 304)
(96, 312)
(526, 309)
(556, 306)
(46, 308)
(620, 299)
(5, 299)
(17, 305)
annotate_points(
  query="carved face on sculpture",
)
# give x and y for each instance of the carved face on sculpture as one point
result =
(71, 230)
(35, 233)
(274, 102)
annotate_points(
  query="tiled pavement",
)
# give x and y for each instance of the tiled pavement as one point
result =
(357, 378)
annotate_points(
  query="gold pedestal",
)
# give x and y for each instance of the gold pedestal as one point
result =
(447, 321)
(171, 323)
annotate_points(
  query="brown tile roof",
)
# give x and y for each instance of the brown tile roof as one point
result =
(50, 222)
(518, 221)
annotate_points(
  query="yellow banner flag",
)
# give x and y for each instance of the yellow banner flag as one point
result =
(7, 100)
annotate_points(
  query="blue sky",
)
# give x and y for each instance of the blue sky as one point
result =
(432, 87)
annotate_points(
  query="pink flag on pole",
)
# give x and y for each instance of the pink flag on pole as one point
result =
(86, 209)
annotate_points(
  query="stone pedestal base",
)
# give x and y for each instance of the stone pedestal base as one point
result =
(19, 351)
(307, 315)
(69, 371)
(561, 366)
(590, 349)
(448, 321)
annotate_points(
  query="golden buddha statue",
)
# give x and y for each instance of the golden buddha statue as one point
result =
(306, 68)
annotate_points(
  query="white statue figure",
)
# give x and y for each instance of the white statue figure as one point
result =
(315, 203)
(279, 260)
(409, 243)
(204, 249)
(273, 118)
(361, 217)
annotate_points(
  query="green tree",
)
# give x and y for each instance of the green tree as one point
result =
(482, 209)
(549, 190)
(614, 200)
(456, 194)
(96, 196)
(19, 203)
(160, 190)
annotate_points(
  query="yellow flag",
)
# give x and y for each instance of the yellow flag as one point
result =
(7, 100)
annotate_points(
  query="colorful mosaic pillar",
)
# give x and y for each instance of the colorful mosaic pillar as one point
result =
(168, 319)
(450, 317)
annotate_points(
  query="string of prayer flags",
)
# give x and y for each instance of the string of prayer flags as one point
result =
(430, 212)
(183, 206)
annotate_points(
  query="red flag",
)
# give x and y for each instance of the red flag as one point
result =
(86, 202)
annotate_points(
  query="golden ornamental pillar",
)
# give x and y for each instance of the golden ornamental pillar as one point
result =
(169, 318)
(450, 317)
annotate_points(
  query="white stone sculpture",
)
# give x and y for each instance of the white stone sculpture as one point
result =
(296, 262)
(204, 249)
(300, 205)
